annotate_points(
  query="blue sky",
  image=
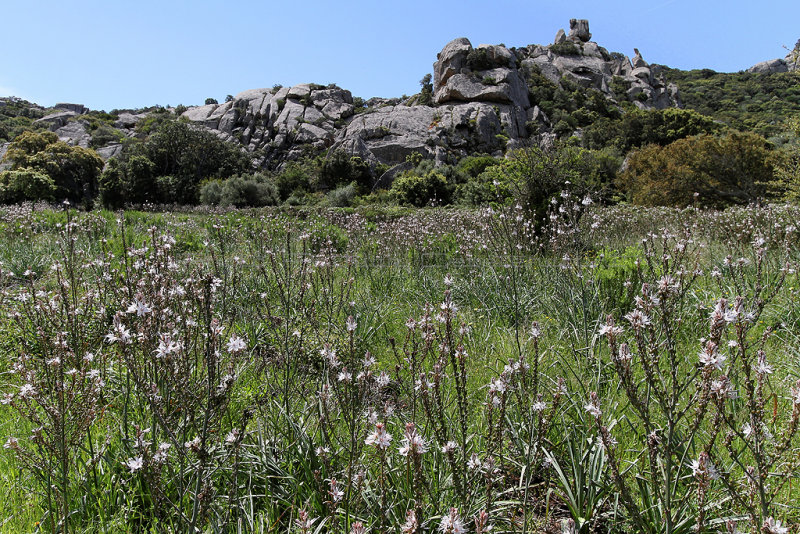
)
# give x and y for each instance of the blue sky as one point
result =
(126, 54)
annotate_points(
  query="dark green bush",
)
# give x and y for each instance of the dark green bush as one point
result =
(421, 190)
(566, 48)
(25, 184)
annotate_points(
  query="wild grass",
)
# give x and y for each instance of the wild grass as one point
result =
(359, 370)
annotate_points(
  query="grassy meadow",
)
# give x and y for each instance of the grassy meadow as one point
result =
(395, 370)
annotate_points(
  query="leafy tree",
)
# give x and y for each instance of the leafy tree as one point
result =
(211, 101)
(73, 170)
(25, 184)
(713, 171)
(787, 164)
(426, 91)
(339, 168)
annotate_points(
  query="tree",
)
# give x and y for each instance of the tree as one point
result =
(426, 90)
(211, 101)
(714, 171)
(25, 184)
(73, 170)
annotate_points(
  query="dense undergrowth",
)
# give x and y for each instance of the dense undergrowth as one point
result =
(388, 370)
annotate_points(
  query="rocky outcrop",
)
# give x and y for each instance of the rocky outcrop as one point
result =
(74, 133)
(790, 63)
(56, 120)
(579, 30)
(482, 102)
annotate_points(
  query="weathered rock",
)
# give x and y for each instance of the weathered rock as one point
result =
(109, 151)
(199, 113)
(638, 61)
(128, 120)
(561, 36)
(299, 91)
(75, 134)
(80, 109)
(768, 67)
(56, 120)
(482, 105)
(450, 61)
(579, 30)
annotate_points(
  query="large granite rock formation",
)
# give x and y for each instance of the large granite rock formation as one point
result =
(790, 63)
(481, 103)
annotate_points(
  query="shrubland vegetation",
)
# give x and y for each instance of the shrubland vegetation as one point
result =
(544, 355)
(379, 369)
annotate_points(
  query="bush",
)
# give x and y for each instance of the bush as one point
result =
(421, 190)
(478, 59)
(105, 135)
(566, 48)
(254, 190)
(734, 169)
(639, 128)
(73, 170)
(211, 101)
(25, 184)
(342, 197)
(340, 168)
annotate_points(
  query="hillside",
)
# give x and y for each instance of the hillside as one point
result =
(485, 99)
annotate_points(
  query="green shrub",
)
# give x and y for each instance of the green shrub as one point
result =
(421, 190)
(342, 197)
(711, 171)
(105, 135)
(340, 168)
(25, 184)
(211, 193)
(566, 48)
(249, 190)
(478, 59)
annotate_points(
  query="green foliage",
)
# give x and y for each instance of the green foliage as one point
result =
(25, 184)
(540, 173)
(419, 190)
(787, 163)
(473, 166)
(342, 197)
(105, 135)
(247, 190)
(746, 101)
(426, 91)
(565, 48)
(490, 186)
(295, 178)
(73, 170)
(170, 165)
(733, 169)
(639, 127)
(211, 101)
(17, 116)
(478, 59)
(340, 168)
(567, 105)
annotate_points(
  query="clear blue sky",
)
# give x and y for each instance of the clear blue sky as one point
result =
(135, 53)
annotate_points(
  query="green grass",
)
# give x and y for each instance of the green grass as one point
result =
(381, 268)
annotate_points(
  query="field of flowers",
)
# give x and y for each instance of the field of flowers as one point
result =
(389, 370)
